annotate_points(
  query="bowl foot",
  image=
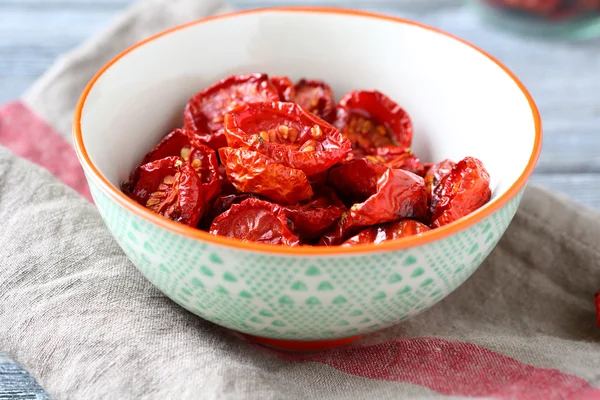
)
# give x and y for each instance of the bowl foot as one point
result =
(300, 346)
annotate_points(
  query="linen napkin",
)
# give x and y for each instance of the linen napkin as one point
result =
(77, 314)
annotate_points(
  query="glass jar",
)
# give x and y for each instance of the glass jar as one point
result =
(571, 19)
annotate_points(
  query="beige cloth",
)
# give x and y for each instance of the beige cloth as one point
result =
(77, 314)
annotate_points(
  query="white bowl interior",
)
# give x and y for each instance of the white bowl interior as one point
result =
(461, 102)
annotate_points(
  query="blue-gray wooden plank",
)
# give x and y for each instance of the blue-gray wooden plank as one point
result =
(33, 33)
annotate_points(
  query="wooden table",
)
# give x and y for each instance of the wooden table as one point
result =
(564, 78)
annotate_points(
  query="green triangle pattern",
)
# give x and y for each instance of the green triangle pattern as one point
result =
(222, 290)
(215, 258)
(196, 283)
(313, 271)
(313, 301)
(379, 296)
(410, 260)
(395, 278)
(417, 272)
(286, 300)
(299, 286)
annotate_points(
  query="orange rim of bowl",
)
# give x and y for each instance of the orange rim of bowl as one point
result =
(400, 244)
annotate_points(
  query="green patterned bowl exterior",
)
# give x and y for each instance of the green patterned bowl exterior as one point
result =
(301, 298)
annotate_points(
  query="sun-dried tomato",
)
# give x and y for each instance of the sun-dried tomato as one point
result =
(462, 191)
(370, 119)
(204, 113)
(288, 134)
(219, 206)
(397, 158)
(316, 97)
(396, 195)
(171, 145)
(356, 180)
(226, 187)
(202, 158)
(285, 88)
(169, 187)
(435, 173)
(255, 220)
(312, 219)
(252, 172)
(384, 233)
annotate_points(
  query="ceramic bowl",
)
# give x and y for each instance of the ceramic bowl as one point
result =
(462, 102)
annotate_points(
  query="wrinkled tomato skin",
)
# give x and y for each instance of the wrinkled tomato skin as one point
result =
(287, 134)
(255, 220)
(171, 188)
(204, 161)
(204, 113)
(202, 158)
(399, 194)
(389, 125)
(387, 232)
(435, 173)
(226, 187)
(355, 180)
(214, 140)
(316, 97)
(313, 219)
(252, 172)
(465, 189)
(285, 88)
(219, 206)
(170, 146)
(397, 158)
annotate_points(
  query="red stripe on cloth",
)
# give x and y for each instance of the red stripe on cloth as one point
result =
(451, 368)
(29, 136)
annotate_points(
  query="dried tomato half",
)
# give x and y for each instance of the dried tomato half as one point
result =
(397, 194)
(384, 233)
(204, 113)
(312, 219)
(170, 146)
(316, 97)
(219, 206)
(356, 180)
(370, 119)
(288, 134)
(169, 187)
(255, 220)
(285, 88)
(202, 158)
(252, 172)
(397, 158)
(462, 191)
(435, 173)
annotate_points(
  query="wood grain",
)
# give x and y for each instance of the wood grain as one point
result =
(564, 79)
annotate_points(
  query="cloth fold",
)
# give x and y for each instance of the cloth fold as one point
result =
(86, 324)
